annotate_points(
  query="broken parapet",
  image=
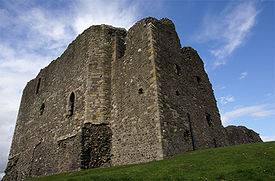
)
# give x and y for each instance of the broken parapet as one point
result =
(241, 135)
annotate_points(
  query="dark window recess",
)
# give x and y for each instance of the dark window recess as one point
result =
(208, 119)
(198, 79)
(140, 90)
(37, 86)
(215, 143)
(71, 105)
(177, 93)
(191, 131)
(42, 108)
(186, 135)
(61, 144)
(177, 69)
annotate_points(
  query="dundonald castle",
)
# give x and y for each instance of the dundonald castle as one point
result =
(118, 97)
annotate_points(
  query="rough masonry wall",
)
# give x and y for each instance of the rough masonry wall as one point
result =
(96, 146)
(135, 120)
(95, 151)
(114, 98)
(207, 126)
(190, 118)
(44, 129)
(70, 91)
(241, 135)
(176, 135)
(98, 93)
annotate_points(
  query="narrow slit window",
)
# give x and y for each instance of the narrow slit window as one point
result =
(38, 86)
(215, 143)
(177, 69)
(186, 135)
(42, 108)
(71, 105)
(177, 93)
(191, 131)
(198, 79)
(140, 90)
(208, 119)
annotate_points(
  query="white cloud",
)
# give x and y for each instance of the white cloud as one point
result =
(229, 29)
(1, 175)
(253, 111)
(43, 22)
(268, 138)
(35, 35)
(243, 75)
(264, 113)
(226, 99)
(220, 87)
(104, 12)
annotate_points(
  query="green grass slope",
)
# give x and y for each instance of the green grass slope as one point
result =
(243, 162)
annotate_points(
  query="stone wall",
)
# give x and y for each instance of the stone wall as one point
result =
(74, 89)
(204, 114)
(241, 135)
(188, 112)
(116, 97)
(43, 121)
(98, 93)
(135, 120)
(96, 146)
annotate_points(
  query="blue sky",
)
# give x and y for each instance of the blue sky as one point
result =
(235, 39)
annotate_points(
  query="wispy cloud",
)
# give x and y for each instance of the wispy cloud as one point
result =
(229, 29)
(104, 12)
(268, 138)
(264, 113)
(1, 175)
(33, 35)
(243, 75)
(263, 110)
(226, 99)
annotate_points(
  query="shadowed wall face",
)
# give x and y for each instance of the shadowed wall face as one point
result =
(241, 135)
(188, 112)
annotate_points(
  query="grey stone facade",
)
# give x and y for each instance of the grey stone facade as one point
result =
(117, 97)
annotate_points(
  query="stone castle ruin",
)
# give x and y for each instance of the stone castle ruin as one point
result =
(118, 97)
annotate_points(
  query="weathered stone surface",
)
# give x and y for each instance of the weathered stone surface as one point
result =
(241, 135)
(116, 97)
(96, 146)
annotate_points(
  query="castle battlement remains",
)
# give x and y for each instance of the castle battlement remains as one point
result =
(117, 97)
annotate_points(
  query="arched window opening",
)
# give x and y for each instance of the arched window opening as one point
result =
(140, 90)
(37, 86)
(42, 108)
(71, 105)
(177, 69)
(177, 93)
(208, 119)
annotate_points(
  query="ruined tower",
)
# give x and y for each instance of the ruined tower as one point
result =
(115, 97)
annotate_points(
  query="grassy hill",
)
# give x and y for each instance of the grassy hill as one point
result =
(243, 162)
